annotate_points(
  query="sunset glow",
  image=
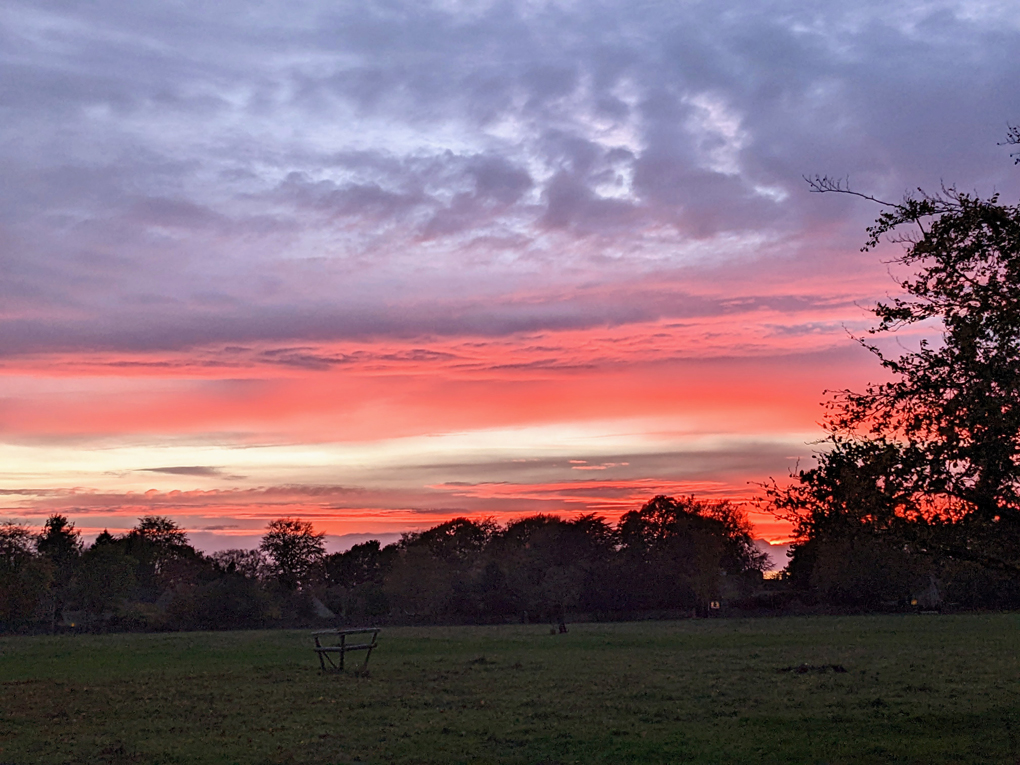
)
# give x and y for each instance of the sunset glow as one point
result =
(376, 268)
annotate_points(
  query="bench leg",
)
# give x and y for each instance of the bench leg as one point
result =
(322, 662)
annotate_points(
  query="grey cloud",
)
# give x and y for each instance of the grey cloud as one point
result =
(435, 196)
(497, 179)
(304, 358)
(730, 459)
(570, 203)
(169, 328)
(176, 213)
(312, 359)
(173, 174)
(197, 471)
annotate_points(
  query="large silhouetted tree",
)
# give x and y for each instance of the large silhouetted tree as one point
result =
(355, 578)
(165, 558)
(675, 552)
(295, 551)
(61, 544)
(60, 541)
(931, 457)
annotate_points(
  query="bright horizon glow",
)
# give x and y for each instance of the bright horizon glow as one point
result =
(380, 267)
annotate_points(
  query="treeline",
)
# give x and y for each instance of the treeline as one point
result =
(851, 558)
(672, 556)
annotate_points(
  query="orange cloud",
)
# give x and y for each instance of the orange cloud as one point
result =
(751, 374)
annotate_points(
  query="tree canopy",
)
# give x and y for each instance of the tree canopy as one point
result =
(294, 549)
(931, 456)
(59, 540)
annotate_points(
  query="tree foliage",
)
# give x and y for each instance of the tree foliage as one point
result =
(251, 564)
(682, 548)
(60, 544)
(164, 558)
(954, 404)
(930, 458)
(672, 555)
(60, 541)
(24, 578)
(295, 551)
(103, 578)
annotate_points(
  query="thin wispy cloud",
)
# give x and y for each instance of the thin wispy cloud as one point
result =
(189, 470)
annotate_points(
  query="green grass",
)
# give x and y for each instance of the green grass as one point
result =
(917, 689)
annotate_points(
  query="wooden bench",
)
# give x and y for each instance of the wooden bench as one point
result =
(334, 654)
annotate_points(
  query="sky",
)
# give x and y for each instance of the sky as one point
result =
(380, 264)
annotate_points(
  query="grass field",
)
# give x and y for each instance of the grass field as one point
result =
(916, 689)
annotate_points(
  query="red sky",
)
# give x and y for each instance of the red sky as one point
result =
(379, 265)
(387, 436)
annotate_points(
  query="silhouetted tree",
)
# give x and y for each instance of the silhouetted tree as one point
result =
(60, 541)
(419, 584)
(938, 445)
(61, 544)
(493, 597)
(251, 564)
(164, 557)
(295, 551)
(24, 576)
(104, 576)
(457, 541)
(356, 578)
(548, 561)
(676, 551)
(432, 575)
(1013, 139)
(360, 564)
(228, 601)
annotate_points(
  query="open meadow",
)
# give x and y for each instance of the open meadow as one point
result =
(905, 689)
